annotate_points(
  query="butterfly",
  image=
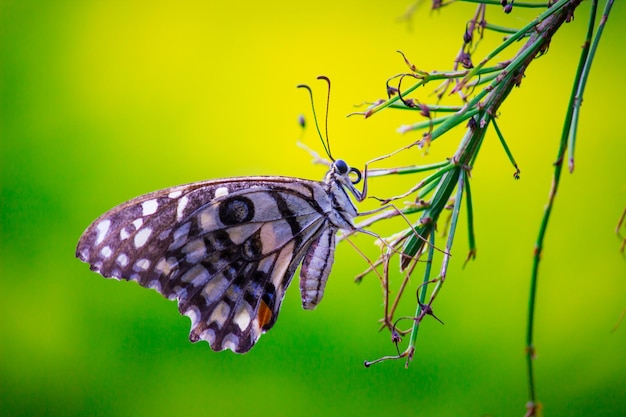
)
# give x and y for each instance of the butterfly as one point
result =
(227, 249)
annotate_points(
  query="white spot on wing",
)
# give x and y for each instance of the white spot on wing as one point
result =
(141, 264)
(221, 192)
(106, 251)
(242, 319)
(103, 229)
(193, 313)
(208, 335)
(175, 194)
(124, 234)
(149, 207)
(138, 223)
(142, 237)
(122, 260)
(220, 314)
(180, 209)
(231, 342)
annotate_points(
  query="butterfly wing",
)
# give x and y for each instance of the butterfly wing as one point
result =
(226, 250)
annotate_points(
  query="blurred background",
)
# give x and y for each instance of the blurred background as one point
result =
(104, 101)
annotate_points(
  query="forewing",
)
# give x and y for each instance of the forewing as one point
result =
(226, 250)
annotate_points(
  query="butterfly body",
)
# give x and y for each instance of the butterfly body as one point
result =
(227, 250)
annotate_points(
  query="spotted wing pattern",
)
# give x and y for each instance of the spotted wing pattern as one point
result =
(226, 250)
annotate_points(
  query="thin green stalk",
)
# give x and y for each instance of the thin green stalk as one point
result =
(482, 81)
(427, 189)
(422, 295)
(530, 348)
(589, 53)
(500, 29)
(456, 119)
(432, 108)
(435, 176)
(558, 168)
(470, 223)
(506, 148)
(423, 125)
(413, 169)
(447, 253)
(456, 210)
(579, 82)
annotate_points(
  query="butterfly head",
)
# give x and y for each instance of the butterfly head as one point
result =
(348, 174)
(342, 176)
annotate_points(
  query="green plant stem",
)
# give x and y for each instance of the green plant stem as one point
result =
(422, 125)
(435, 108)
(379, 172)
(456, 211)
(422, 296)
(506, 148)
(589, 51)
(470, 223)
(500, 29)
(558, 168)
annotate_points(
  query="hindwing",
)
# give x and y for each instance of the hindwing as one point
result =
(226, 250)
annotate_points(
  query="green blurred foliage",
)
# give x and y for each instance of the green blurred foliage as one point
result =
(103, 101)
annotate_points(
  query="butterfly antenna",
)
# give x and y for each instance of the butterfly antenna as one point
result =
(325, 78)
(319, 132)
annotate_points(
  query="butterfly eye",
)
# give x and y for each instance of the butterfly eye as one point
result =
(341, 166)
(355, 176)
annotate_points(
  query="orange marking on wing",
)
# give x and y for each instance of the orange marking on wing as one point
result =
(264, 314)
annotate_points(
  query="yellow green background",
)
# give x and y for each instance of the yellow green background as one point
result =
(103, 101)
